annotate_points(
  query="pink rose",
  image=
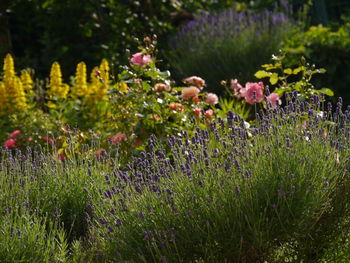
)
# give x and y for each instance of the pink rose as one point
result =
(14, 133)
(236, 88)
(10, 143)
(209, 113)
(235, 85)
(189, 92)
(195, 81)
(274, 98)
(253, 92)
(212, 99)
(140, 59)
(197, 111)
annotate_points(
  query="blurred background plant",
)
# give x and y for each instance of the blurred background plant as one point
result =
(328, 48)
(226, 44)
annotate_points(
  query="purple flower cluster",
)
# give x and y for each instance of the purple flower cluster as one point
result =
(227, 24)
(218, 170)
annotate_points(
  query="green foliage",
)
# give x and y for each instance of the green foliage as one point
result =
(227, 44)
(282, 78)
(28, 237)
(327, 48)
(68, 31)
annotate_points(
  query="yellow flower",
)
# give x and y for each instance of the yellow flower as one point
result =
(3, 96)
(123, 87)
(57, 87)
(104, 68)
(9, 69)
(80, 88)
(16, 96)
(94, 76)
(27, 81)
(99, 78)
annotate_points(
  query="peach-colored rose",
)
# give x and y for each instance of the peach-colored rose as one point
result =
(209, 113)
(177, 106)
(196, 81)
(117, 138)
(172, 106)
(189, 92)
(161, 87)
(140, 59)
(212, 99)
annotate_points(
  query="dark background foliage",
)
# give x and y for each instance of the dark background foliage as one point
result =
(39, 32)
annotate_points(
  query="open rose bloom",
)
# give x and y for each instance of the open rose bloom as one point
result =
(195, 81)
(253, 92)
(10, 143)
(190, 92)
(140, 59)
(212, 99)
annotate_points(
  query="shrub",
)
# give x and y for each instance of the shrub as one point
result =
(218, 46)
(232, 193)
(326, 48)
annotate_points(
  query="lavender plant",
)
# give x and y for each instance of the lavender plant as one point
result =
(48, 202)
(226, 44)
(231, 193)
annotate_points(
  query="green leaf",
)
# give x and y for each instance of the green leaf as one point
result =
(326, 91)
(288, 71)
(321, 71)
(146, 87)
(297, 70)
(262, 74)
(274, 78)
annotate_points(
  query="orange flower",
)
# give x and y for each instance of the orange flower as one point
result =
(209, 113)
(196, 81)
(177, 106)
(190, 92)
(197, 111)
(117, 138)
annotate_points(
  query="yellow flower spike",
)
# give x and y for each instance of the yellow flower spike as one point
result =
(55, 75)
(9, 69)
(94, 78)
(104, 68)
(57, 87)
(80, 81)
(26, 81)
(16, 96)
(3, 98)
